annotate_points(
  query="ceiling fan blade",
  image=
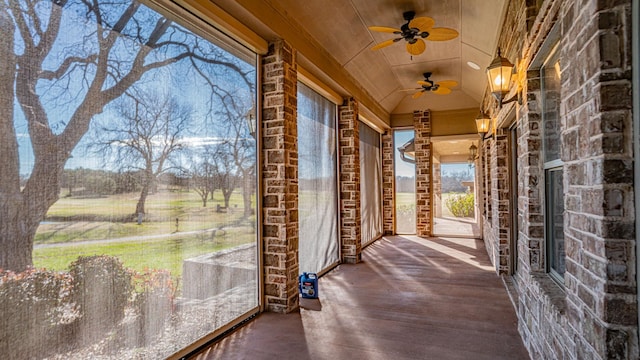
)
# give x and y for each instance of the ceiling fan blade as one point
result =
(383, 44)
(417, 95)
(425, 83)
(416, 48)
(442, 34)
(447, 83)
(410, 89)
(422, 23)
(385, 29)
(441, 91)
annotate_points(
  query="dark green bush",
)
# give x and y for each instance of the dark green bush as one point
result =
(35, 314)
(101, 289)
(461, 205)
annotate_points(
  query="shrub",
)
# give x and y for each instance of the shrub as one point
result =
(154, 303)
(36, 312)
(461, 205)
(101, 289)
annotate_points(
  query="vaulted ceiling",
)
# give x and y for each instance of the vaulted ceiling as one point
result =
(340, 29)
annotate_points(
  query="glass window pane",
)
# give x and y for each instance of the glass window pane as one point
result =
(555, 221)
(405, 179)
(132, 171)
(317, 189)
(550, 76)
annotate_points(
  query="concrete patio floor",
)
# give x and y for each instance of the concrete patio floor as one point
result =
(410, 298)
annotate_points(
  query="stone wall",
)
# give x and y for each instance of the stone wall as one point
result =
(593, 313)
(350, 217)
(422, 128)
(388, 188)
(280, 178)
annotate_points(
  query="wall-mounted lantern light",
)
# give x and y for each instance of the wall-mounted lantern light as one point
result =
(482, 123)
(251, 123)
(473, 151)
(499, 75)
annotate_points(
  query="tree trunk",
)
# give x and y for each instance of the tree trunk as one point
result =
(17, 230)
(22, 211)
(247, 190)
(227, 195)
(143, 198)
(144, 193)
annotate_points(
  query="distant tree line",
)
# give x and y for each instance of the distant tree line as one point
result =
(90, 182)
(452, 181)
(405, 184)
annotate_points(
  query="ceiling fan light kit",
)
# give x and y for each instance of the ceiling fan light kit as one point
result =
(413, 32)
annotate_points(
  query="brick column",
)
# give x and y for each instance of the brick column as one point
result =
(500, 203)
(531, 230)
(422, 127)
(280, 178)
(388, 193)
(350, 217)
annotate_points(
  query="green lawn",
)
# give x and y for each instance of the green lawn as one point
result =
(112, 216)
(103, 219)
(405, 199)
(148, 254)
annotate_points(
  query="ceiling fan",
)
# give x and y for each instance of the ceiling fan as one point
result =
(440, 87)
(416, 29)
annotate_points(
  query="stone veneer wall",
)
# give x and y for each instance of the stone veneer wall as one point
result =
(500, 193)
(388, 189)
(350, 217)
(593, 315)
(422, 128)
(489, 230)
(280, 178)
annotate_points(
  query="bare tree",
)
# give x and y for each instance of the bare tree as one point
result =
(240, 142)
(95, 62)
(214, 170)
(147, 132)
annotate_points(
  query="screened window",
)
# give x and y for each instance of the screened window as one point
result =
(317, 188)
(126, 151)
(405, 181)
(554, 199)
(370, 184)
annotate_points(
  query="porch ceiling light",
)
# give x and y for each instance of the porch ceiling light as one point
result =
(482, 123)
(499, 75)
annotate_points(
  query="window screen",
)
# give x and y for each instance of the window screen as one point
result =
(317, 188)
(370, 184)
(127, 156)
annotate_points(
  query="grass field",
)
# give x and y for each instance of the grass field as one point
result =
(148, 254)
(95, 223)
